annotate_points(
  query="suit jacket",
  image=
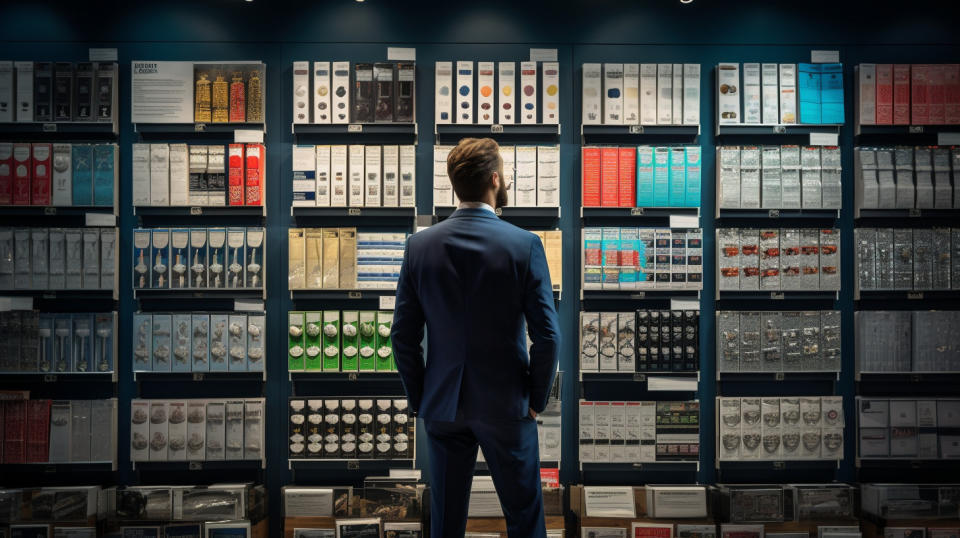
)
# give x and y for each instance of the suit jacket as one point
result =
(472, 280)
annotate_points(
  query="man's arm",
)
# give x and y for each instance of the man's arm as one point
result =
(542, 327)
(407, 334)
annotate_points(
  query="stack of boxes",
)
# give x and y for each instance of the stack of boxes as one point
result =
(641, 94)
(365, 92)
(199, 342)
(772, 94)
(32, 342)
(901, 428)
(917, 259)
(341, 258)
(58, 431)
(778, 177)
(790, 341)
(778, 259)
(354, 176)
(340, 341)
(42, 174)
(639, 431)
(907, 178)
(640, 341)
(642, 176)
(198, 258)
(181, 175)
(351, 429)
(905, 341)
(780, 428)
(908, 94)
(495, 92)
(642, 258)
(58, 258)
(229, 93)
(54, 92)
(532, 176)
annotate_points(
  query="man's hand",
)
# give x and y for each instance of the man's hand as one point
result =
(533, 414)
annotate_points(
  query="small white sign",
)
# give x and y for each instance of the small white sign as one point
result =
(684, 304)
(684, 221)
(100, 219)
(248, 136)
(825, 56)
(15, 303)
(402, 54)
(405, 473)
(609, 501)
(103, 55)
(388, 302)
(543, 55)
(824, 139)
(948, 139)
(671, 384)
(247, 305)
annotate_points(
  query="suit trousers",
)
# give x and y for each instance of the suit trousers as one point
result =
(512, 453)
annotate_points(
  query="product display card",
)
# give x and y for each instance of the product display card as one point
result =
(603, 532)
(609, 501)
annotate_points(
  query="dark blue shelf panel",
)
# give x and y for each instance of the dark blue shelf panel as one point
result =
(60, 130)
(816, 215)
(179, 377)
(189, 294)
(182, 212)
(914, 216)
(776, 130)
(907, 131)
(531, 216)
(452, 132)
(341, 464)
(638, 133)
(355, 129)
(344, 377)
(339, 295)
(20, 378)
(635, 214)
(785, 295)
(168, 466)
(194, 130)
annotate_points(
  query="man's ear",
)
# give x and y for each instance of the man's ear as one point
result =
(495, 180)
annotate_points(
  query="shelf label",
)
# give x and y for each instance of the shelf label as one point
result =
(401, 54)
(496, 128)
(248, 136)
(636, 211)
(779, 465)
(684, 304)
(638, 295)
(15, 303)
(100, 219)
(196, 211)
(635, 129)
(609, 501)
(915, 129)
(914, 212)
(50, 211)
(774, 214)
(354, 211)
(916, 378)
(915, 296)
(355, 128)
(353, 465)
(50, 378)
(824, 56)
(414, 474)
(354, 295)
(388, 302)
(672, 384)
(498, 211)
(543, 55)
(776, 295)
(779, 129)
(948, 139)
(352, 376)
(684, 221)
(103, 55)
(778, 376)
(195, 466)
(199, 127)
(640, 378)
(49, 127)
(248, 305)
(824, 139)
(198, 376)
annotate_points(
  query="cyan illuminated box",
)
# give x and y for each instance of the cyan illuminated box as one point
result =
(661, 177)
(693, 171)
(831, 93)
(808, 89)
(677, 177)
(644, 176)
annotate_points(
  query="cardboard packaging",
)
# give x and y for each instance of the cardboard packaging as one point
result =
(728, 88)
(788, 94)
(179, 174)
(63, 91)
(348, 258)
(613, 105)
(340, 96)
(677, 94)
(664, 94)
(236, 176)
(752, 93)
(7, 92)
(528, 92)
(590, 167)
(485, 93)
(631, 94)
(301, 92)
(338, 176)
(356, 176)
(551, 93)
(22, 174)
(363, 94)
(40, 180)
(443, 99)
(691, 94)
(831, 93)
(372, 180)
(216, 176)
(548, 176)
(920, 94)
(405, 92)
(304, 162)
(391, 167)
(661, 176)
(693, 177)
(883, 94)
(322, 164)
(408, 175)
(648, 94)
(901, 94)
(770, 94)
(526, 178)
(626, 182)
(43, 92)
(867, 94)
(322, 111)
(506, 92)
(592, 113)
(384, 96)
(24, 93)
(464, 97)
(198, 187)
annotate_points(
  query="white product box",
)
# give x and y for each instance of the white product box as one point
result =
(551, 92)
(528, 92)
(253, 429)
(321, 92)
(592, 113)
(7, 93)
(443, 100)
(677, 94)
(338, 176)
(391, 176)
(196, 429)
(526, 178)
(139, 430)
(216, 428)
(648, 94)
(631, 94)
(770, 93)
(752, 109)
(372, 180)
(548, 176)
(408, 176)
(508, 154)
(159, 174)
(442, 188)
(177, 431)
(340, 96)
(158, 430)
(304, 160)
(62, 178)
(24, 91)
(788, 93)
(691, 94)
(485, 93)
(233, 434)
(613, 94)
(179, 175)
(463, 104)
(356, 176)
(506, 92)
(601, 428)
(867, 94)
(664, 94)
(728, 93)
(301, 92)
(322, 173)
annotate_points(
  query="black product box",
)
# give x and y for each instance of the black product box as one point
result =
(676, 341)
(383, 79)
(405, 86)
(666, 334)
(363, 93)
(63, 92)
(106, 84)
(754, 503)
(348, 429)
(643, 341)
(43, 91)
(691, 340)
(83, 92)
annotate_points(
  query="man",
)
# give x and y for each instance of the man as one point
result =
(472, 280)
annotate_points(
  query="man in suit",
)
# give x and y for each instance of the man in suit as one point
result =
(472, 280)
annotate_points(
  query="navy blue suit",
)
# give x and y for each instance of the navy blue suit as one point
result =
(472, 280)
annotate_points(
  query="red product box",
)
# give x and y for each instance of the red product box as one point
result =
(951, 84)
(235, 174)
(884, 94)
(550, 478)
(609, 177)
(6, 173)
(38, 431)
(40, 184)
(13, 429)
(627, 167)
(256, 171)
(590, 159)
(901, 94)
(935, 93)
(920, 94)
(22, 168)
(3, 408)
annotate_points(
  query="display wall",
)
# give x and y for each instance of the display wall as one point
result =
(279, 33)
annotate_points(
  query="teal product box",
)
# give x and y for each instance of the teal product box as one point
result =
(162, 345)
(104, 173)
(645, 176)
(610, 245)
(238, 342)
(82, 167)
(200, 343)
(197, 258)
(142, 342)
(159, 258)
(808, 88)
(219, 342)
(179, 258)
(182, 329)
(661, 177)
(592, 258)
(677, 177)
(256, 324)
(831, 93)
(646, 255)
(692, 196)
(629, 244)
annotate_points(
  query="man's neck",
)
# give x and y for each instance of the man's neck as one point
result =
(477, 205)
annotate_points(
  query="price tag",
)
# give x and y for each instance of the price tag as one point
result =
(915, 296)
(684, 221)
(824, 139)
(779, 129)
(199, 127)
(776, 295)
(640, 378)
(948, 139)
(635, 129)
(914, 212)
(196, 211)
(354, 295)
(195, 466)
(672, 384)
(248, 136)
(103, 55)
(248, 305)
(824, 56)
(778, 376)
(638, 295)
(49, 211)
(354, 211)
(100, 219)
(543, 55)
(779, 465)
(352, 376)
(496, 128)
(684, 304)
(198, 376)
(388, 302)
(50, 378)
(498, 211)
(636, 211)
(49, 127)
(774, 214)
(402, 54)
(915, 129)
(407, 474)
(353, 465)
(355, 128)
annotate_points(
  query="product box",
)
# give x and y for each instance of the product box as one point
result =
(24, 92)
(590, 158)
(901, 94)
(385, 98)
(355, 185)
(485, 95)
(340, 96)
(367, 341)
(331, 258)
(883, 94)
(770, 93)
(236, 243)
(691, 94)
(295, 342)
(310, 249)
(443, 99)
(693, 176)
(391, 167)
(645, 176)
(22, 174)
(677, 176)
(301, 92)
(216, 430)
(752, 90)
(43, 92)
(526, 178)
(322, 174)
(677, 94)
(788, 93)
(750, 171)
(408, 174)
(217, 249)
(304, 175)
(464, 96)
(627, 165)
(609, 176)
(809, 93)
(661, 176)
(551, 93)
(592, 112)
(7, 92)
(338, 176)
(920, 86)
(255, 177)
(648, 94)
(728, 91)
(82, 166)
(592, 259)
(253, 429)
(216, 176)
(905, 189)
(363, 94)
(349, 341)
(664, 94)
(548, 176)
(40, 180)
(442, 188)
(867, 94)
(7, 172)
(831, 93)
(614, 85)
(404, 92)
(179, 173)
(528, 95)
(384, 360)
(506, 92)
(610, 245)
(233, 431)
(198, 186)
(83, 98)
(372, 179)
(236, 176)
(321, 93)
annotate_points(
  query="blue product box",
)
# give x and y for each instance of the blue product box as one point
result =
(831, 93)
(182, 331)
(62, 344)
(809, 90)
(219, 342)
(197, 258)
(592, 258)
(159, 258)
(142, 342)
(82, 167)
(104, 173)
(256, 354)
(238, 342)
(104, 327)
(610, 247)
(200, 343)
(629, 239)
(162, 342)
(645, 176)
(661, 177)
(692, 195)
(83, 336)
(677, 177)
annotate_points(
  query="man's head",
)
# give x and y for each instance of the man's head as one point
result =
(476, 171)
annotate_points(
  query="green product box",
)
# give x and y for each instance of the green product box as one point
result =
(313, 342)
(368, 341)
(349, 347)
(384, 346)
(295, 341)
(331, 341)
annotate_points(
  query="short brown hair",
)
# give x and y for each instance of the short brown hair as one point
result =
(470, 165)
